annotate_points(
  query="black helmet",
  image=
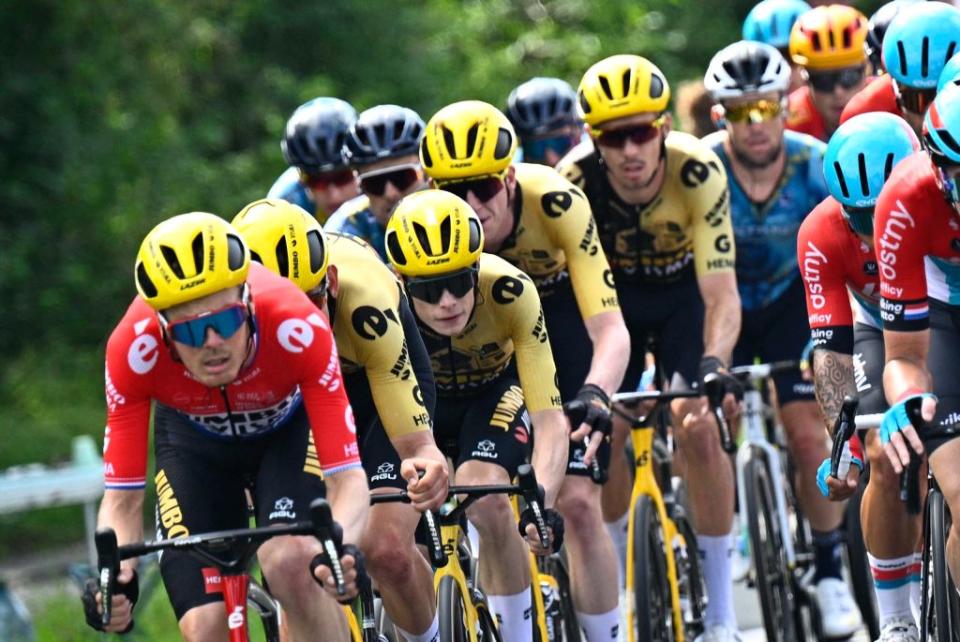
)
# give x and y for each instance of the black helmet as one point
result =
(877, 29)
(384, 131)
(541, 105)
(315, 134)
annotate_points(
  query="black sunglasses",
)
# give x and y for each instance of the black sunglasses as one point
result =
(401, 179)
(431, 289)
(483, 188)
(825, 81)
(638, 134)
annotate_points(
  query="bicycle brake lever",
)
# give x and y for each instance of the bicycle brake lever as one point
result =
(527, 481)
(325, 531)
(843, 431)
(713, 389)
(108, 565)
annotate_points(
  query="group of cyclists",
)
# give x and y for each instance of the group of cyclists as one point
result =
(421, 302)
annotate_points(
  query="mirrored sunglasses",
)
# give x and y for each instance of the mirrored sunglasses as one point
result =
(483, 188)
(193, 331)
(535, 150)
(431, 289)
(324, 180)
(754, 112)
(638, 134)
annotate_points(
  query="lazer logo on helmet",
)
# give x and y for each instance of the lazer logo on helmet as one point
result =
(193, 284)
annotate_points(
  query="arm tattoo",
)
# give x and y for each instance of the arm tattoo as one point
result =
(833, 380)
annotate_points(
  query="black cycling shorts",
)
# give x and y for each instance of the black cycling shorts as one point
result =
(868, 362)
(381, 462)
(200, 488)
(943, 361)
(491, 426)
(671, 314)
(778, 332)
(572, 355)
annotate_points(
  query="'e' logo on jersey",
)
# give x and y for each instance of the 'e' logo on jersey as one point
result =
(295, 335)
(143, 353)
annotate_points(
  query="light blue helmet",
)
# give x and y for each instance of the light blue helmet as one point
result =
(770, 21)
(950, 73)
(859, 158)
(919, 42)
(941, 137)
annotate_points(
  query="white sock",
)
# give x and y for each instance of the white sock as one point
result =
(474, 538)
(432, 634)
(716, 553)
(514, 614)
(618, 533)
(891, 582)
(915, 586)
(602, 627)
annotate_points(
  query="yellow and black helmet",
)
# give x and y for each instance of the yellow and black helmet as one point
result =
(188, 257)
(433, 232)
(465, 140)
(285, 239)
(621, 86)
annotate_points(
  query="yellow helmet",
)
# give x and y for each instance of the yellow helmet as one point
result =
(465, 140)
(188, 257)
(829, 37)
(286, 240)
(621, 86)
(433, 232)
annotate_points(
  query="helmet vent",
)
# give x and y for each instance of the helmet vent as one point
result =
(423, 239)
(398, 130)
(847, 38)
(924, 57)
(841, 180)
(656, 86)
(448, 141)
(425, 153)
(380, 132)
(504, 143)
(172, 261)
(283, 259)
(949, 141)
(476, 234)
(445, 234)
(626, 82)
(903, 57)
(472, 138)
(950, 50)
(393, 249)
(814, 40)
(864, 181)
(605, 86)
(255, 257)
(146, 285)
(235, 253)
(197, 248)
(888, 166)
(315, 246)
(584, 105)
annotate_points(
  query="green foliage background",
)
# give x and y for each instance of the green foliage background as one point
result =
(116, 115)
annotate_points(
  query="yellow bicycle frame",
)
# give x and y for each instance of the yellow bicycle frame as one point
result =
(450, 536)
(645, 483)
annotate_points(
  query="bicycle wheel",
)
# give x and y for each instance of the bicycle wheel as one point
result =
(860, 575)
(451, 606)
(766, 548)
(653, 619)
(488, 631)
(945, 607)
(693, 591)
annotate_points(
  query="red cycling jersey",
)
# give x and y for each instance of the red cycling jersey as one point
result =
(295, 362)
(802, 114)
(913, 223)
(876, 96)
(834, 261)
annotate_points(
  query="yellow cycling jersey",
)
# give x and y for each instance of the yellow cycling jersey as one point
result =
(684, 231)
(369, 334)
(507, 320)
(555, 240)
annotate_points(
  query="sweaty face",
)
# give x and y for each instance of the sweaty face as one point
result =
(448, 316)
(218, 361)
(387, 181)
(632, 165)
(755, 142)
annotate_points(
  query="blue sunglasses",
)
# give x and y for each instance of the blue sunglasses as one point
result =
(536, 149)
(193, 331)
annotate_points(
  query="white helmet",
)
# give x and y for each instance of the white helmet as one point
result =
(746, 67)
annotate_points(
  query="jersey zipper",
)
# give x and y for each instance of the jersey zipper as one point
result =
(226, 403)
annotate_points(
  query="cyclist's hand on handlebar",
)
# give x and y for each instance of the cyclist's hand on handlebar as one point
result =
(896, 429)
(554, 523)
(354, 574)
(712, 369)
(427, 491)
(839, 489)
(589, 414)
(122, 602)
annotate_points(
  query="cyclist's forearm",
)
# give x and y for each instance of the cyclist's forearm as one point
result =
(551, 445)
(721, 322)
(905, 370)
(122, 510)
(611, 350)
(832, 380)
(348, 494)
(418, 444)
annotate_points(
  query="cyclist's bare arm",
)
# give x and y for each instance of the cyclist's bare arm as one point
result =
(611, 350)
(550, 449)
(906, 367)
(348, 494)
(833, 380)
(721, 324)
(418, 452)
(122, 510)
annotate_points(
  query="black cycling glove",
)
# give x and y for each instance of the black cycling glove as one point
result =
(89, 598)
(590, 406)
(551, 519)
(713, 374)
(363, 580)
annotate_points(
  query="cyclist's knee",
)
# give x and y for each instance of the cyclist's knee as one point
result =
(493, 518)
(580, 506)
(390, 552)
(284, 561)
(698, 439)
(206, 622)
(808, 445)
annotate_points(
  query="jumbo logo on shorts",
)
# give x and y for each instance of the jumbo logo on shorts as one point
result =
(295, 335)
(143, 353)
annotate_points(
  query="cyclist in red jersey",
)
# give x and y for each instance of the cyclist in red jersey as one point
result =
(828, 43)
(917, 231)
(236, 360)
(916, 47)
(835, 251)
